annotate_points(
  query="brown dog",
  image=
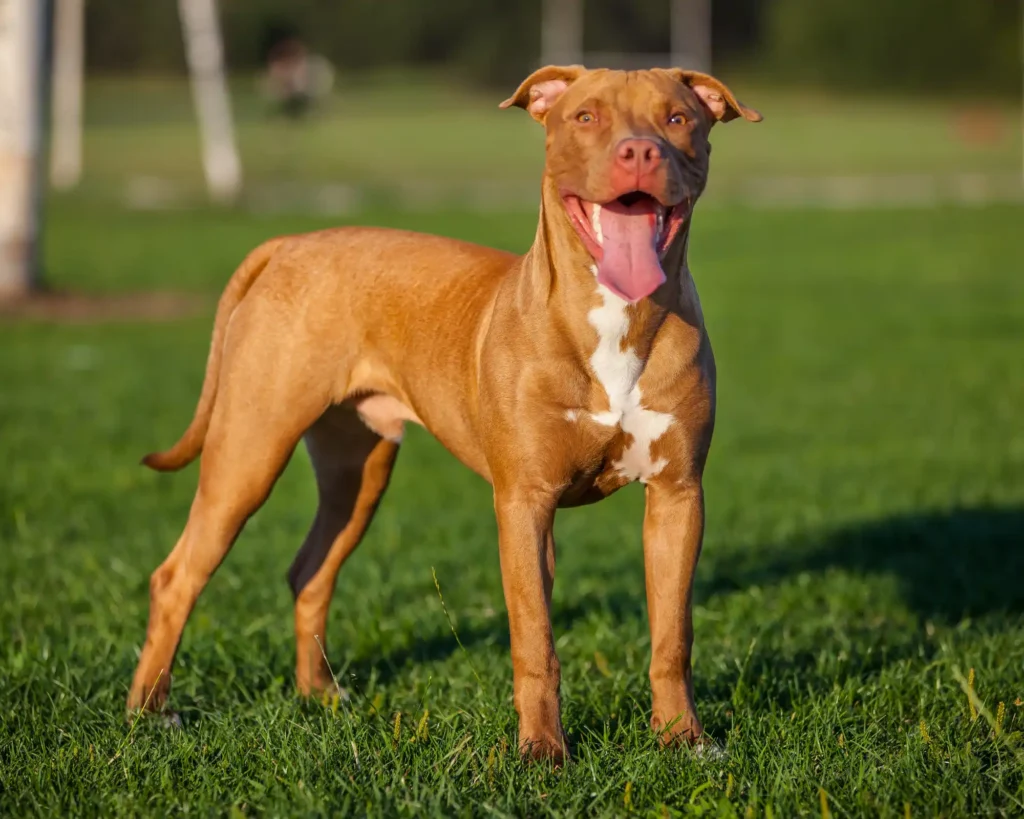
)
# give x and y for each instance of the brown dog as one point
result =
(558, 376)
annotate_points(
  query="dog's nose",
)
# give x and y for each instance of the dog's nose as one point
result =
(639, 156)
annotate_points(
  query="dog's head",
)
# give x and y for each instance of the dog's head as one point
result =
(628, 155)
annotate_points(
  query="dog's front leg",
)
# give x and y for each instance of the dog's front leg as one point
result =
(673, 531)
(527, 572)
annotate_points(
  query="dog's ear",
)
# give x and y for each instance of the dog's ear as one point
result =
(542, 88)
(720, 103)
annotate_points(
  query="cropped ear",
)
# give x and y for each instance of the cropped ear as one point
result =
(541, 90)
(715, 96)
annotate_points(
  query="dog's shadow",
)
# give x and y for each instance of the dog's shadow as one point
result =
(948, 565)
(964, 562)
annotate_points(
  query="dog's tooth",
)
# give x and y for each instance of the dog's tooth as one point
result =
(661, 220)
(595, 220)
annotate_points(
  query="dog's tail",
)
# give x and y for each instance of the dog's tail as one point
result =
(190, 444)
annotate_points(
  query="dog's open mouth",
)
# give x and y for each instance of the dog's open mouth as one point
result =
(627, 238)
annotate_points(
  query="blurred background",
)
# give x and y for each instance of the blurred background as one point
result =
(860, 260)
(334, 107)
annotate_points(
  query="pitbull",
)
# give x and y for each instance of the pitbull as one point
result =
(558, 376)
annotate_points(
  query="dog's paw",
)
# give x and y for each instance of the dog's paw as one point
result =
(689, 733)
(331, 695)
(319, 685)
(684, 730)
(149, 696)
(553, 749)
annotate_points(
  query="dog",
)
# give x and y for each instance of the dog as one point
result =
(559, 376)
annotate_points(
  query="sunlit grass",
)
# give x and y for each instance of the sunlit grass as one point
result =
(863, 556)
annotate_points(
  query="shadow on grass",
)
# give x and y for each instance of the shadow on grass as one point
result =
(951, 564)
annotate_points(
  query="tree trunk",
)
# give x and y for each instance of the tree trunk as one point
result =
(21, 75)
(561, 34)
(205, 53)
(691, 34)
(66, 117)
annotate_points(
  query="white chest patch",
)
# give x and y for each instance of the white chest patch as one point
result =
(618, 371)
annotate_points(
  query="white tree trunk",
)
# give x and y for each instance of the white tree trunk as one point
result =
(691, 34)
(21, 54)
(66, 117)
(561, 34)
(205, 53)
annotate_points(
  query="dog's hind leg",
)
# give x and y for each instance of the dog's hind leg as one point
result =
(266, 399)
(352, 465)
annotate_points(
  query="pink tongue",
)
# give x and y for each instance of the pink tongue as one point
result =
(629, 266)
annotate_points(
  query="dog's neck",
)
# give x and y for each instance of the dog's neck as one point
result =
(558, 273)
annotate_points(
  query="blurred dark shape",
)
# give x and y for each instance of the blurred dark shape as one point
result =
(275, 32)
(288, 76)
(295, 78)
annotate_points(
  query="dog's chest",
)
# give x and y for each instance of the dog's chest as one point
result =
(616, 369)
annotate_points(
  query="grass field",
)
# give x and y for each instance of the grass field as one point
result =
(863, 556)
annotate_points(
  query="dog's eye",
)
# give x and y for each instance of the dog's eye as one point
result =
(585, 116)
(677, 119)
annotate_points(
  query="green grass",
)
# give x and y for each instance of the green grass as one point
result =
(865, 524)
(420, 136)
